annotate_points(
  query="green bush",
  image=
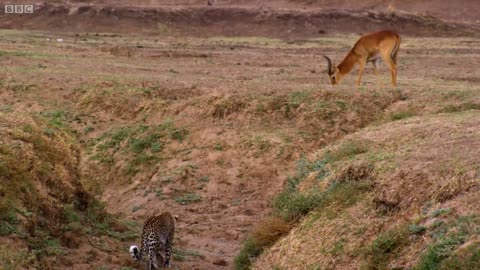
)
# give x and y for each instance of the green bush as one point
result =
(439, 251)
(187, 198)
(247, 255)
(292, 206)
(349, 149)
(401, 115)
(468, 258)
(385, 246)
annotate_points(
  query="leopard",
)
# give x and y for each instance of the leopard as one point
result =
(156, 243)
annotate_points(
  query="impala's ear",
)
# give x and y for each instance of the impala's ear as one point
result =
(330, 66)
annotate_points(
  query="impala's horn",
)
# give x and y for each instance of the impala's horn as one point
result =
(330, 71)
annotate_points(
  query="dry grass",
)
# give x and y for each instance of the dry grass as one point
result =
(264, 235)
(425, 175)
(269, 230)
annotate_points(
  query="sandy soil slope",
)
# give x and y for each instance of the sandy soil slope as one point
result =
(225, 20)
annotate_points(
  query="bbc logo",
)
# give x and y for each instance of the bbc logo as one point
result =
(18, 9)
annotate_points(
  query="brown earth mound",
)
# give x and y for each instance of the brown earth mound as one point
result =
(459, 11)
(46, 216)
(423, 175)
(227, 21)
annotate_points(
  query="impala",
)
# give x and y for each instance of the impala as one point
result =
(369, 48)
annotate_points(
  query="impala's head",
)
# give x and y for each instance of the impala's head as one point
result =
(332, 71)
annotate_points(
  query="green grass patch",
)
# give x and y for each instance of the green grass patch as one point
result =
(188, 198)
(247, 255)
(385, 246)
(417, 229)
(218, 147)
(182, 255)
(203, 179)
(349, 149)
(140, 145)
(259, 143)
(440, 212)
(466, 258)
(19, 259)
(453, 108)
(401, 115)
(21, 87)
(297, 98)
(448, 237)
(102, 223)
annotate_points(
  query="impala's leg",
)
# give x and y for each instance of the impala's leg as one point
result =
(393, 71)
(375, 69)
(394, 61)
(393, 67)
(361, 66)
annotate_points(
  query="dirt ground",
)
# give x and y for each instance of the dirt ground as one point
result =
(458, 11)
(268, 19)
(234, 114)
(238, 150)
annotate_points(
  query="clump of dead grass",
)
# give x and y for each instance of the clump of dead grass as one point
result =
(124, 100)
(269, 230)
(226, 106)
(264, 235)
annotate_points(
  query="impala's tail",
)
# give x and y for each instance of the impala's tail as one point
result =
(394, 52)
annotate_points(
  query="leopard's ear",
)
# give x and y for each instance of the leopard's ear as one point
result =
(175, 217)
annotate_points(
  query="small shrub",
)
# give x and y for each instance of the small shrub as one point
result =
(350, 149)
(440, 212)
(20, 259)
(8, 218)
(460, 107)
(204, 179)
(467, 258)
(182, 255)
(140, 144)
(88, 129)
(294, 205)
(176, 133)
(250, 250)
(438, 252)
(187, 198)
(417, 229)
(227, 106)
(401, 115)
(53, 248)
(443, 254)
(385, 246)
(268, 231)
(70, 214)
(297, 98)
(7, 228)
(218, 147)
